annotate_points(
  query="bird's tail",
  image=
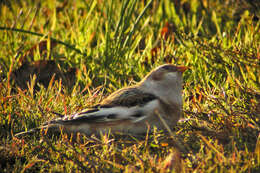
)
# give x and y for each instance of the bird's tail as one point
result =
(42, 130)
(31, 131)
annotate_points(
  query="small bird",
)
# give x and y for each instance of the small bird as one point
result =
(130, 110)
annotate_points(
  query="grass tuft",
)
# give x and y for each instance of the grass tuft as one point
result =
(111, 44)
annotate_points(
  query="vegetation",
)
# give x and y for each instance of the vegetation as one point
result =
(115, 43)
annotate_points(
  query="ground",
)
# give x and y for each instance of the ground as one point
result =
(63, 56)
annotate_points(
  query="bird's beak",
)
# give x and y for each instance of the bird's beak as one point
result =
(182, 68)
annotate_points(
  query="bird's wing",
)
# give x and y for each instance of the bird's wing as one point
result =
(125, 104)
(127, 97)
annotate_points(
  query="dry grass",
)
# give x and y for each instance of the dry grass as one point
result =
(113, 44)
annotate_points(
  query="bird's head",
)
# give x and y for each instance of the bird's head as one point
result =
(164, 75)
(165, 80)
(166, 71)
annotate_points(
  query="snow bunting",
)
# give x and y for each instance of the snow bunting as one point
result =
(130, 110)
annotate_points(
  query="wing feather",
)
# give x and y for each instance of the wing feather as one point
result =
(121, 105)
(127, 97)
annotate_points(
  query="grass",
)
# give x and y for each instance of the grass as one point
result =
(110, 44)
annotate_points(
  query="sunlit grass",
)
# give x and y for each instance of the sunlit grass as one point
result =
(110, 44)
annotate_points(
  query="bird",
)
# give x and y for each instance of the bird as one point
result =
(130, 110)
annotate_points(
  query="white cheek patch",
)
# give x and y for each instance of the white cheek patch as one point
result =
(171, 75)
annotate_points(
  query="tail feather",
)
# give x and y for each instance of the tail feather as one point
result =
(31, 131)
(44, 129)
